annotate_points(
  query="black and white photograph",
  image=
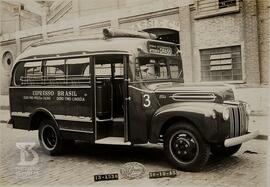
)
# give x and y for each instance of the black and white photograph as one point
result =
(134, 93)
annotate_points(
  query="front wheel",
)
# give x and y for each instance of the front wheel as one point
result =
(222, 151)
(185, 148)
(49, 137)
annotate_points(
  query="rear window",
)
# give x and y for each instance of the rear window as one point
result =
(29, 73)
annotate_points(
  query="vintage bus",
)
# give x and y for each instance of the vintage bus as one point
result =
(126, 88)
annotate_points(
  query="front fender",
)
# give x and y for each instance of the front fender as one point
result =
(201, 115)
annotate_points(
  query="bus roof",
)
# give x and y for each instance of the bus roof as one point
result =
(65, 48)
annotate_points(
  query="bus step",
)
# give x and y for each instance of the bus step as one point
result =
(112, 141)
(118, 119)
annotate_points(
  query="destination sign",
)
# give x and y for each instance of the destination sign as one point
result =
(159, 49)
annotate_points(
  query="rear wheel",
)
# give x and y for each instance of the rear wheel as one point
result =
(222, 151)
(49, 137)
(185, 148)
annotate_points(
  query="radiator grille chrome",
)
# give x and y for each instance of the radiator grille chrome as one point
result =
(238, 121)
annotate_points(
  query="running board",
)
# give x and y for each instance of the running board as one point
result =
(110, 119)
(112, 141)
(118, 119)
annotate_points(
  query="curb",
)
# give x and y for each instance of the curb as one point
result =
(4, 107)
(262, 137)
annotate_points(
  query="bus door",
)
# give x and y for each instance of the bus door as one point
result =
(111, 99)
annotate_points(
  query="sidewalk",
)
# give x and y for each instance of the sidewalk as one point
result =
(4, 116)
(4, 102)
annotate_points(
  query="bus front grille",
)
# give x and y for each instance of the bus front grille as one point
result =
(238, 121)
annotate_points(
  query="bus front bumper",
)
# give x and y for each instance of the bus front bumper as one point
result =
(240, 139)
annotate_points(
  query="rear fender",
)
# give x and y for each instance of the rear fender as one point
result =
(37, 115)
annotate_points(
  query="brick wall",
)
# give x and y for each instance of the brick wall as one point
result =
(250, 31)
(213, 32)
(237, 28)
(263, 33)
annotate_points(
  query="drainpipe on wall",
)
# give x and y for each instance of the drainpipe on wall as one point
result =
(45, 11)
(18, 28)
(186, 42)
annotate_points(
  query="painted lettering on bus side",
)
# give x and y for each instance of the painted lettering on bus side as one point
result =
(71, 93)
(59, 95)
(67, 93)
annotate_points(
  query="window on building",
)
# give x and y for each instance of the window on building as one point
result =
(226, 3)
(209, 8)
(221, 64)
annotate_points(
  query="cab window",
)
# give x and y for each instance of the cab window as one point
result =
(153, 68)
(158, 68)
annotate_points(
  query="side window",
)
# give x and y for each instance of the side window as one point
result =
(74, 71)
(55, 72)
(32, 73)
(176, 68)
(78, 71)
(119, 69)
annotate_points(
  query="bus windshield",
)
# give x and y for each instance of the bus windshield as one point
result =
(159, 68)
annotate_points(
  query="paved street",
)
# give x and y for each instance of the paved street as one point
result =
(246, 168)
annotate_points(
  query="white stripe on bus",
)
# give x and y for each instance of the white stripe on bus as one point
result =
(57, 117)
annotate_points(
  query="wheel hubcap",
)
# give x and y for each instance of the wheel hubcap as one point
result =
(184, 147)
(49, 137)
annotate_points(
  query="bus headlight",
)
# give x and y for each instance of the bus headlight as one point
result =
(226, 114)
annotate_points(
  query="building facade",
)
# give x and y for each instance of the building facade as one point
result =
(221, 41)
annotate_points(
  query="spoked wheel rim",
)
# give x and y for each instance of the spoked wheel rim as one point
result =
(49, 137)
(184, 147)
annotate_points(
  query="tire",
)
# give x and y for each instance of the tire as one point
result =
(185, 148)
(221, 151)
(49, 137)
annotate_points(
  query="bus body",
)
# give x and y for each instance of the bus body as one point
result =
(123, 90)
